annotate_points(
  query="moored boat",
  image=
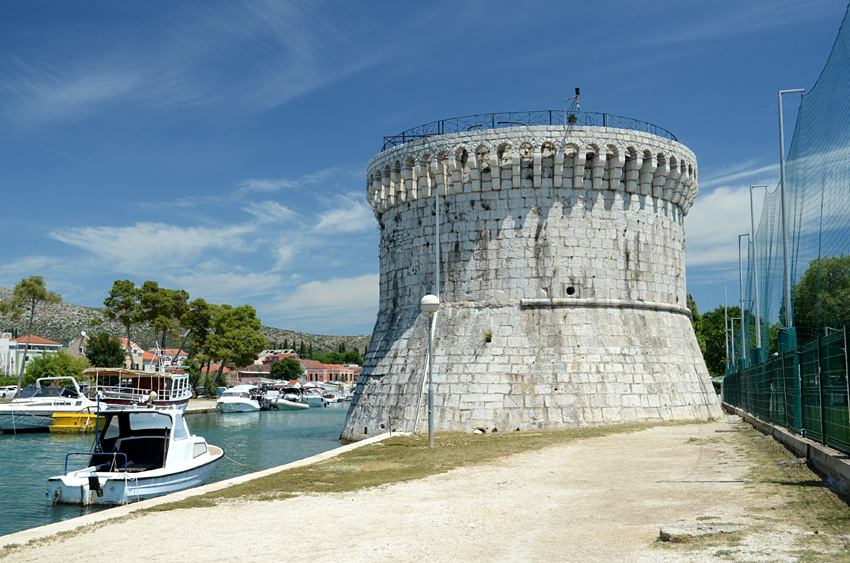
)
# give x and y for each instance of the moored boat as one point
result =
(290, 399)
(125, 387)
(239, 398)
(34, 407)
(141, 453)
(76, 422)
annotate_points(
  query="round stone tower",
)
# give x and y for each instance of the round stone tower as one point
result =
(562, 277)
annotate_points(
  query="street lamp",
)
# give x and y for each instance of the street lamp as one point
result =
(786, 273)
(755, 269)
(430, 304)
(741, 282)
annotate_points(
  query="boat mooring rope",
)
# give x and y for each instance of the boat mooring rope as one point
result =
(242, 464)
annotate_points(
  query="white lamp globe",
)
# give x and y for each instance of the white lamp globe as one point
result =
(430, 304)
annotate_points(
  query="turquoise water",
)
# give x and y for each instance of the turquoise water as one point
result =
(252, 441)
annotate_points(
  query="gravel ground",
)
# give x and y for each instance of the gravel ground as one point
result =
(600, 499)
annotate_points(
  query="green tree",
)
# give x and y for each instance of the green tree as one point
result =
(714, 333)
(352, 357)
(696, 321)
(58, 364)
(123, 305)
(822, 297)
(193, 370)
(196, 322)
(287, 369)
(236, 336)
(27, 297)
(103, 351)
(162, 309)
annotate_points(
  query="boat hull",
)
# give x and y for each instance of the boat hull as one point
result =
(246, 406)
(284, 405)
(116, 488)
(72, 422)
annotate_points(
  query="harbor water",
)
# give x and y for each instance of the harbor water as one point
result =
(251, 442)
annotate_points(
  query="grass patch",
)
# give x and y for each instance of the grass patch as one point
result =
(397, 459)
(800, 503)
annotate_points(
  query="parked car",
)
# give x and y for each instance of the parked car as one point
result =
(8, 391)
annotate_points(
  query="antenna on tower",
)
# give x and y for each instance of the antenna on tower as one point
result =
(569, 115)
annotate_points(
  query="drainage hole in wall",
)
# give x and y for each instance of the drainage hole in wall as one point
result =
(571, 290)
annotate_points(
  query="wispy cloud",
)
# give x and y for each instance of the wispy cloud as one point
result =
(265, 185)
(735, 174)
(135, 248)
(271, 212)
(337, 302)
(350, 215)
(714, 223)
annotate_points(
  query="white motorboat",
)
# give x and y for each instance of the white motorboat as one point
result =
(239, 398)
(141, 453)
(290, 399)
(314, 398)
(34, 407)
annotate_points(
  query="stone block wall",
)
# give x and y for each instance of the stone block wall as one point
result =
(562, 282)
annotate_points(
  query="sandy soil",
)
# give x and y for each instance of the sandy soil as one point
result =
(601, 499)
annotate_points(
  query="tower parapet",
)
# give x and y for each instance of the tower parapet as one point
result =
(562, 281)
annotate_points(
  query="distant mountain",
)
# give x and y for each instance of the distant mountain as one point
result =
(64, 321)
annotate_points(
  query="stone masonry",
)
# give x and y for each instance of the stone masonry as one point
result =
(562, 283)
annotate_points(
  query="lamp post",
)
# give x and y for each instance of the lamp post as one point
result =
(787, 282)
(755, 269)
(741, 285)
(430, 304)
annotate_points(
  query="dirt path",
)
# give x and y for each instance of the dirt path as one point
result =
(601, 499)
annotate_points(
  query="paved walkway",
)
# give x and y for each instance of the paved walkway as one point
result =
(600, 499)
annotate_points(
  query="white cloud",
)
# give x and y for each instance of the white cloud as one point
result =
(265, 185)
(714, 223)
(218, 283)
(763, 175)
(138, 247)
(337, 302)
(271, 212)
(350, 215)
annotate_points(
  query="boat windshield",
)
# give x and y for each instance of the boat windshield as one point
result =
(32, 391)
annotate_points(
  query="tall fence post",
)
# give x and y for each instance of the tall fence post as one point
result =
(820, 391)
(846, 374)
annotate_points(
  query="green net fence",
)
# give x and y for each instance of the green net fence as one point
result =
(817, 204)
(798, 378)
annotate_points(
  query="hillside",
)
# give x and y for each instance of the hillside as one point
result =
(64, 321)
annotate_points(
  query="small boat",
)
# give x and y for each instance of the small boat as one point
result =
(121, 387)
(239, 398)
(34, 407)
(76, 422)
(141, 453)
(314, 398)
(290, 399)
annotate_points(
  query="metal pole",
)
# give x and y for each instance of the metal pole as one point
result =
(741, 285)
(437, 235)
(732, 326)
(789, 318)
(430, 384)
(755, 268)
(726, 327)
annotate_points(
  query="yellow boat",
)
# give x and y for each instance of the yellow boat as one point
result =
(75, 422)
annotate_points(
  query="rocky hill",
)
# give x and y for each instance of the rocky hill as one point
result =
(64, 321)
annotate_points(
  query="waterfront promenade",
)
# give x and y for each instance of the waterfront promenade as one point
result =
(598, 499)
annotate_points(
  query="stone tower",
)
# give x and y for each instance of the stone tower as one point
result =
(562, 277)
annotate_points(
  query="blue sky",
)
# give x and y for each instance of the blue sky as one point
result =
(221, 147)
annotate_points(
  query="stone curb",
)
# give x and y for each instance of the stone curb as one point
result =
(828, 461)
